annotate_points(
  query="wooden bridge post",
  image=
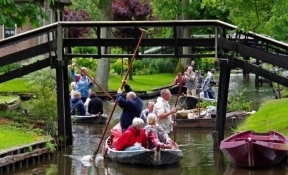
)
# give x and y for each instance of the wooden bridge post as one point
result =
(64, 117)
(225, 70)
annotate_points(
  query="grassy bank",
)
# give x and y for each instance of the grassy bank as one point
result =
(272, 115)
(14, 135)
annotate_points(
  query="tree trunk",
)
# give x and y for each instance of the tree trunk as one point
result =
(103, 66)
(186, 34)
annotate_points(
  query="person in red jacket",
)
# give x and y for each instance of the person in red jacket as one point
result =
(134, 138)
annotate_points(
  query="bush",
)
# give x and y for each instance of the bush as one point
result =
(89, 63)
(117, 66)
(9, 67)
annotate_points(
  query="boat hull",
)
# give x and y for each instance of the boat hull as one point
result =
(249, 149)
(90, 119)
(146, 157)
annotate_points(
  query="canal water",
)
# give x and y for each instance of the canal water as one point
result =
(196, 144)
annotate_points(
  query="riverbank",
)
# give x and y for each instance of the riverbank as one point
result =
(272, 115)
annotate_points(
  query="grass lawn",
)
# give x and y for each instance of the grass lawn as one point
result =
(139, 83)
(142, 82)
(272, 115)
(12, 136)
(15, 85)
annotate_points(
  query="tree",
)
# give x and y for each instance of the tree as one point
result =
(103, 66)
(12, 13)
(264, 17)
(130, 10)
(79, 15)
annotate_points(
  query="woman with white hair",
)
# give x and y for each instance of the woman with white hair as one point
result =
(134, 138)
(156, 135)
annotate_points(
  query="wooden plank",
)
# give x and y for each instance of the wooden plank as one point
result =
(27, 53)
(71, 42)
(255, 53)
(259, 71)
(25, 70)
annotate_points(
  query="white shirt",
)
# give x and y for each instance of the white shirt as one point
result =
(160, 107)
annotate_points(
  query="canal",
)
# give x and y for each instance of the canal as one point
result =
(196, 144)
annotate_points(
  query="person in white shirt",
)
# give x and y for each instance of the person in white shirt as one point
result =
(164, 112)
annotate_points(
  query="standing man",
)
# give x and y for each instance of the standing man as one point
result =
(209, 82)
(192, 64)
(163, 111)
(191, 82)
(83, 82)
(131, 105)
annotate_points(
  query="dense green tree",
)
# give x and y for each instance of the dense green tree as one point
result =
(12, 13)
(265, 17)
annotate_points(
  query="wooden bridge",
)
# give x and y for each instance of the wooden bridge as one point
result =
(58, 55)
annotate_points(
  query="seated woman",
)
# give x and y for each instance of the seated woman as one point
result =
(77, 105)
(156, 135)
(134, 138)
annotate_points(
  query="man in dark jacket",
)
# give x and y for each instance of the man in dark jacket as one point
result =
(95, 105)
(132, 106)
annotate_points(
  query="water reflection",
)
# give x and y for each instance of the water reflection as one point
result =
(273, 170)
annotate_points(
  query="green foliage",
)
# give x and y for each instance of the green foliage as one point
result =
(265, 17)
(49, 144)
(117, 66)
(21, 13)
(238, 102)
(9, 67)
(162, 65)
(89, 63)
(44, 106)
(205, 63)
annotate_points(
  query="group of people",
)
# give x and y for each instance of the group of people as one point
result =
(148, 128)
(196, 83)
(83, 101)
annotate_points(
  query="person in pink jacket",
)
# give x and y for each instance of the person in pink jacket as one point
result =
(134, 138)
(156, 135)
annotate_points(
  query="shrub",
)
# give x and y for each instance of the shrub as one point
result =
(9, 67)
(89, 63)
(117, 66)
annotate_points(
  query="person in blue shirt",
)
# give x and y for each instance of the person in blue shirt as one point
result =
(83, 82)
(131, 106)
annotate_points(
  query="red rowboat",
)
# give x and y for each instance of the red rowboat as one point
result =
(251, 149)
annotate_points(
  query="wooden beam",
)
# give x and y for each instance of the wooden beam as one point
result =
(255, 53)
(71, 42)
(24, 70)
(259, 71)
(96, 56)
(27, 53)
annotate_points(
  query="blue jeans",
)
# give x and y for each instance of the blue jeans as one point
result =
(134, 147)
(209, 95)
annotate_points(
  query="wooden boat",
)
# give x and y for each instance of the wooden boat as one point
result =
(11, 105)
(90, 119)
(189, 102)
(173, 89)
(140, 157)
(232, 120)
(251, 149)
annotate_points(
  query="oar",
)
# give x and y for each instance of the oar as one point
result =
(97, 84)
(123, 82)
(179, 92)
